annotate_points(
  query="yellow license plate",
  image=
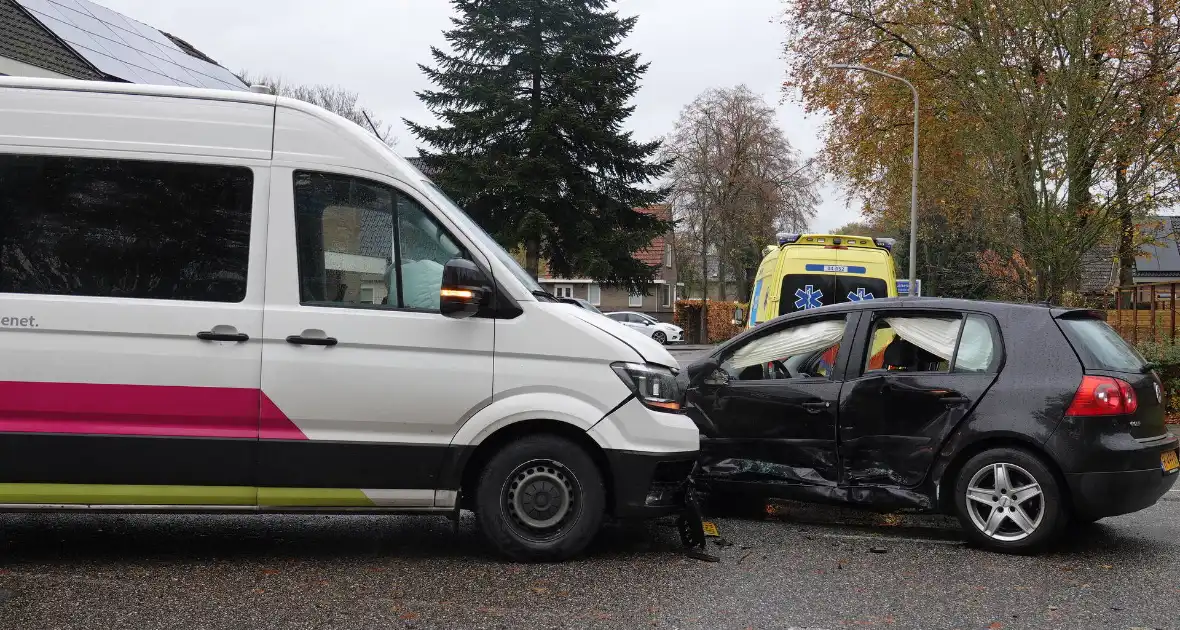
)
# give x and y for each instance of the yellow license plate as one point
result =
(1170, 461)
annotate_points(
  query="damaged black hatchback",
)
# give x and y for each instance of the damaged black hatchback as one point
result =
(1018, 419)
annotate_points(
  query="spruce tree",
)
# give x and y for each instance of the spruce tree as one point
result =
(532, 103)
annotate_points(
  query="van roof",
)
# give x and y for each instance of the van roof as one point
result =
(112, 87)
(360, 138)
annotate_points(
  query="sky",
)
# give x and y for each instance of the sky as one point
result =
(373, 48)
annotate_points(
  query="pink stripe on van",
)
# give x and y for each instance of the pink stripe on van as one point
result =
(149, 410)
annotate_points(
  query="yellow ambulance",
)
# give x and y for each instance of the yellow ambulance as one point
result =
(806, 271)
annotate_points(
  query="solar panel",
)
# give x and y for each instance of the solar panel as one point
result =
(126, 49)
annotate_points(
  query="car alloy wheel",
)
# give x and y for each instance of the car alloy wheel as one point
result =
(1005, 502)
(660, 337)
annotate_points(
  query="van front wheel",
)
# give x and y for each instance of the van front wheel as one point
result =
(540, 498)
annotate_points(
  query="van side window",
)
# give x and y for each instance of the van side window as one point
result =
(364, 244)
(423, 249)
(124, 228)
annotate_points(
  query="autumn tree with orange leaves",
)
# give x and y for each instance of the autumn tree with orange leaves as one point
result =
(1047, 126)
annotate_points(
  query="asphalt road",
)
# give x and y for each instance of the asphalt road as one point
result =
(802, 567)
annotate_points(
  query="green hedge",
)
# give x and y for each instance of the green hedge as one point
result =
(1166, 358)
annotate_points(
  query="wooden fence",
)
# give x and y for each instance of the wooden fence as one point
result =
(1146, 312)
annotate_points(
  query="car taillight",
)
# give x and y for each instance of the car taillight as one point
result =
(1103, 396)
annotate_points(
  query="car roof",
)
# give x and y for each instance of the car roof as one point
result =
(918, 304)
(937, 303)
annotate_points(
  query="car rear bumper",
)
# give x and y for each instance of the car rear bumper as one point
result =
(1109, 471)
(648, 485)
(1100, 494)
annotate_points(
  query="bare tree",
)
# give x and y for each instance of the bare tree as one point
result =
(736, 181)
(332, 98)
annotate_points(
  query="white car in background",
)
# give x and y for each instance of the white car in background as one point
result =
(650, 326)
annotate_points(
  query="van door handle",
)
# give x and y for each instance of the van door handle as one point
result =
(209, 335)
(816, 407)
(311, 341)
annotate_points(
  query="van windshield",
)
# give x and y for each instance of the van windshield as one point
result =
(438, 196)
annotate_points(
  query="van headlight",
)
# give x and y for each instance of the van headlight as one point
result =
(654, 385)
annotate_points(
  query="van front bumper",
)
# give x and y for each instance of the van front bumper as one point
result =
(651, 455)
(648, 485)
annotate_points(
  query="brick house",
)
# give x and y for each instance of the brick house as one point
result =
(660, 302)
(78, 39)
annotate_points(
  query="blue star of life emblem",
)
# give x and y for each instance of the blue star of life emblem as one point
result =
(859, 295)
(809, 297)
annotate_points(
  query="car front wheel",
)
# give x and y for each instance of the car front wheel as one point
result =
(1008, 500)
(660, 337)
(540, 498)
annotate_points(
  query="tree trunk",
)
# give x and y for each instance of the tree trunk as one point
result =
(721, 288)
(704, 333)
(1126, 251)
(532, 257)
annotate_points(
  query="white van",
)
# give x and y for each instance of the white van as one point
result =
(224, 301)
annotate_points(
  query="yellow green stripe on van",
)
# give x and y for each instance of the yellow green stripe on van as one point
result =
(111, 494)
(313, 497)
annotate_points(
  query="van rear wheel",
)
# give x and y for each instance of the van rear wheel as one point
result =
(540, 498)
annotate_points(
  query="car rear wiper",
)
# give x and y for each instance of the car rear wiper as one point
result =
(1147, 367)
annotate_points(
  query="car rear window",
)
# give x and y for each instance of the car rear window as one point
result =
(1100, 347)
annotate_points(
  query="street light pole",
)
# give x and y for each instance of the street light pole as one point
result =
(914, 169)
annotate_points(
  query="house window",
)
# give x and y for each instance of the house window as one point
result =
(367, 295)
(635, 300)
(667, 256)
(666, 292)
(594, 294)
(564, 290)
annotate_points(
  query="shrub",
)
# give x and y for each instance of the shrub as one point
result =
(1166, 358)
(721, 326)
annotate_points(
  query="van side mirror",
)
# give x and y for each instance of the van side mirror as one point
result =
(739, 315)
(464, 288)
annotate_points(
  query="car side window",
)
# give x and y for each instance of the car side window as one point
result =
(904, 343)
(363, 244)
(977, 346)
(804, 350)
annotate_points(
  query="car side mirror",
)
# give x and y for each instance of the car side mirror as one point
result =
(464, 289)
(739, 315)
(702, 370)
(717, 378)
